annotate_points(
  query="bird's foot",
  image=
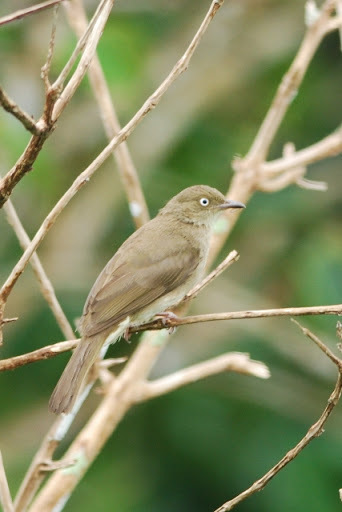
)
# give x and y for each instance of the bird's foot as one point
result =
(167, 317)
(127, 335)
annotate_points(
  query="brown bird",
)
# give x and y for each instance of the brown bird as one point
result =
(151, 272)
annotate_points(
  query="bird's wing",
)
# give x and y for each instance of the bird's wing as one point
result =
(130, 288)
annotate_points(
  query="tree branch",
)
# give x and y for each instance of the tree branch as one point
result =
(314, 431)
(17, 15)
(233, 362)
(335, 309)
(45, 284)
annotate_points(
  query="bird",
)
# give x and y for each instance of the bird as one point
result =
(151, 272)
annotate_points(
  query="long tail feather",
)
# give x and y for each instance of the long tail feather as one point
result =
(70, 382)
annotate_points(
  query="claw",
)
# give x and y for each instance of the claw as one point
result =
(127, 335)
(165, 317)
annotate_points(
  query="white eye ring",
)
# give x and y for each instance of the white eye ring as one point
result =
(204, 201)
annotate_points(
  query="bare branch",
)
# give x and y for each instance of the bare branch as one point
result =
(46, 68)
(249, 170)
(314, 431)
(10, 106)
(93, 37)
(232, 257)
(45, 284)
(129, 176)
(5, 495)
(37, 355)
(327, 147)
(233, 362)
(17, 15)
(335, 309)
(320, 344)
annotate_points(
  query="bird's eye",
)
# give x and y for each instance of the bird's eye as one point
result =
(204, 201)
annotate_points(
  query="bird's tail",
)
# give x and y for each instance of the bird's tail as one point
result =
(70, 382)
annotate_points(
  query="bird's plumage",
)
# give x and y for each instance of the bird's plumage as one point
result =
(151, 272)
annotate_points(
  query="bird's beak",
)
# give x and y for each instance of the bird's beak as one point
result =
(231, 204)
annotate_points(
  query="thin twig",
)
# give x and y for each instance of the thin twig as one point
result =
(5, 495)
(320, 344)
(106, 416)
(17, 15)
(335, 309)
(47, 66)
(45, 284)
(232, 257)
(233, 362)
(327, 147)
(290, 84)
(11, 106)
(37, 355)
(86, 58)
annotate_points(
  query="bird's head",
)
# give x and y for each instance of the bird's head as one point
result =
(199, 204)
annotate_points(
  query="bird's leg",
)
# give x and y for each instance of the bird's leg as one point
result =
(166, 317)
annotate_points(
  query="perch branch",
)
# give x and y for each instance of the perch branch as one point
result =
(80, 46)
(233, 362)
(314, 431)
(327, 147)
(232, 257)
(52, 350)
(46, 123)
(99, 21)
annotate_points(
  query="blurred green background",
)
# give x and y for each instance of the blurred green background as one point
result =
(199, 446)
